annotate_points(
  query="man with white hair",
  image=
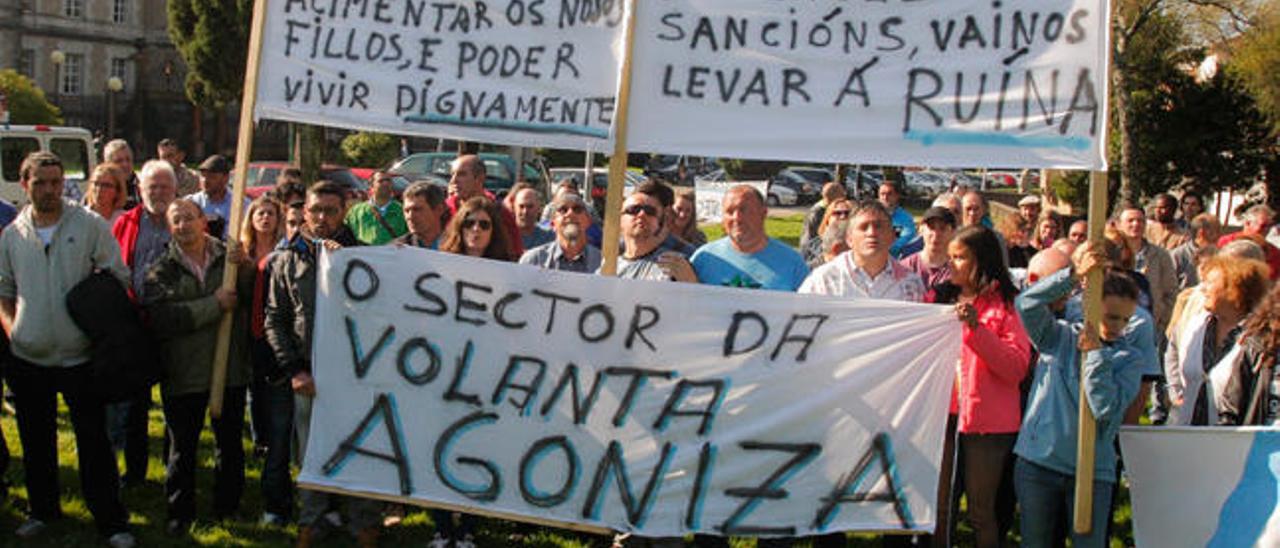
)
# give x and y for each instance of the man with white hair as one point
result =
(1257, 220)
(143, 235)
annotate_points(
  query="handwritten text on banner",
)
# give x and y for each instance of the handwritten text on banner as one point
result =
(660, 408)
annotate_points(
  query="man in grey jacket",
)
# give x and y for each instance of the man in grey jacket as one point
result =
(52, 246)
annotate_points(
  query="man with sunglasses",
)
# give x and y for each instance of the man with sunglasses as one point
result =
(570, 250)
(644, 255)
(747, 257)
(290, 318)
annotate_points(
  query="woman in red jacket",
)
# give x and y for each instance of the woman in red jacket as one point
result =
(993, 361)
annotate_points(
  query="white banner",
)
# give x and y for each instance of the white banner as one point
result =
(1217, 487)
(658, 408)
(955, 83)
(517, 72)
(945, 83)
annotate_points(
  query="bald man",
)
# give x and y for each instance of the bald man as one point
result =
(466, 180)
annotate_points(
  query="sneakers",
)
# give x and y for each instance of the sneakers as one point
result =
(467, 541)
(122, 540)
(30, 528)
(438, 541)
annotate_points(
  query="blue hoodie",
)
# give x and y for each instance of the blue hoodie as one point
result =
(1112, 378)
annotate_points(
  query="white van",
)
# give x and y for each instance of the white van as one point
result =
(74, 145)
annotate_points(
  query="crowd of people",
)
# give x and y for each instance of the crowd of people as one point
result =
(1189, 331)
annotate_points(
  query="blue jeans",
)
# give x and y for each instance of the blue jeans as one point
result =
(1047, 500)
(277, 435)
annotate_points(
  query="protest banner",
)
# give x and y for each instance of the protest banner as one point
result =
(950, 84)
(709, 195)
(1217, 487)
(518, 72)
(657, 408)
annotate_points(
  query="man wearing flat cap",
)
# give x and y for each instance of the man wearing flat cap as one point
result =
(214, 197)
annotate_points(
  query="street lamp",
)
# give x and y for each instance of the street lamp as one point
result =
(57, 57)
(114, 85)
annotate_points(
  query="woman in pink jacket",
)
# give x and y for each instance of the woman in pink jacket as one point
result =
(993, 361)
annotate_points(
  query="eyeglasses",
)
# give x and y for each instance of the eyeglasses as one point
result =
(841, 213)
(322, 210)
(637, 209)
(575, 208)
(482, 224)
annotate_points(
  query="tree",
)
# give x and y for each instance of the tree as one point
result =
(213, 38)
(1149, 34)
(1201, 136)
(27, 104)
(1256, 62)
(366, 149)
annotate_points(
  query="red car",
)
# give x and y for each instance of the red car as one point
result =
(262, 177)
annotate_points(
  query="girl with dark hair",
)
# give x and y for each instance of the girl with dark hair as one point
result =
(476, 231)
(993, 361)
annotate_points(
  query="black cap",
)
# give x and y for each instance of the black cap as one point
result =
(216, 163)
(941, 213)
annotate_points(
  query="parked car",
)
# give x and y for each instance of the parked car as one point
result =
(926, 183)
(666, 167)
(500, 169)
(72, 144)
(778, 195)
(262, 177)
(862, 182)
(599, 179)
(806, 191)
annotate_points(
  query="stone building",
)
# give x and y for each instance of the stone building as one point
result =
(72, 48)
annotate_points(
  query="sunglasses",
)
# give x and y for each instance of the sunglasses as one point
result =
(841, 213)
(575, 208)
(482, 224)
(637, 209)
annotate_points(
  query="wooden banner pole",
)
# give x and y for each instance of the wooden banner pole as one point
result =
(244, 147)
(1092, 314)
(618, 161)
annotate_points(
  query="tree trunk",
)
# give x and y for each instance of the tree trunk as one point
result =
(309, 143)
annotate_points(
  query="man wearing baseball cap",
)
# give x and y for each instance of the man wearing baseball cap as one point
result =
(214, 197)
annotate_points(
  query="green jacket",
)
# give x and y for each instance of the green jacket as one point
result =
(362, 219)
(184, 315)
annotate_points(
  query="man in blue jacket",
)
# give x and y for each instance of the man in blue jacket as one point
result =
(1044, 475)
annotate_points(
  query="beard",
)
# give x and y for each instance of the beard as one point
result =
(571, 232)
(50, 203)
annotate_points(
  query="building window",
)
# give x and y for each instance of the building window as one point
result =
(27, 63)
(119, 11)
(73, 8)
(119, 68)
(73, 74)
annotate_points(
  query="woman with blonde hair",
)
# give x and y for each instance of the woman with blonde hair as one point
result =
(107, 193)
(838, 210)
(270, 396)
(1231, 289)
